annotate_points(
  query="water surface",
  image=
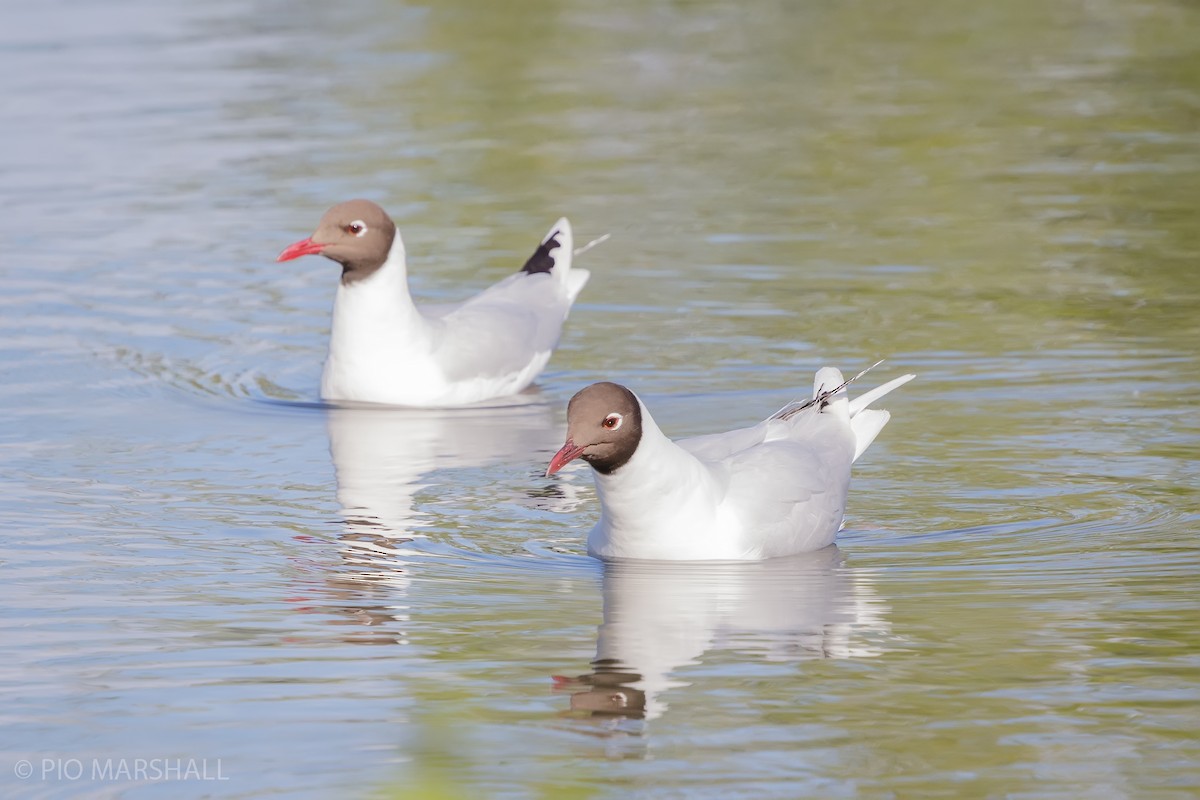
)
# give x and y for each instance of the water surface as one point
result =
(196, 555)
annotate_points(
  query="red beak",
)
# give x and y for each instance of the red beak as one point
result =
(304, 247)
(567, 453)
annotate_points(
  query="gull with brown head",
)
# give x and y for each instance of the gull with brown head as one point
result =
(774, 489)
(383, 348)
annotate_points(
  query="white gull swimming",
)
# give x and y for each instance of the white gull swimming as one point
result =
(383, 348)
(774, 489)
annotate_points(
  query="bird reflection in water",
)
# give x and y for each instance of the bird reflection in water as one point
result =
(387, 460)
(660, 617)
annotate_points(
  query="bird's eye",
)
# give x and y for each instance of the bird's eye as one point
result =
(613, 421)
(358, 227)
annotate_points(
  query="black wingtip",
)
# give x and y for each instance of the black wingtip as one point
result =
(541, 260)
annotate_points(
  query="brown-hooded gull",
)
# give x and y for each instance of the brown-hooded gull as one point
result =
(774, 489)
(383, 348)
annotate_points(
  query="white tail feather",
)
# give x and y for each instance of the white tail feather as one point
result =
(565, 252)
(866, 425)
(829, 391)
(576, 279)
(572, 279)
(864, 400)
(829, 379)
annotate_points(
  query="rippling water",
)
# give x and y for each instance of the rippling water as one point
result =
(194, 551)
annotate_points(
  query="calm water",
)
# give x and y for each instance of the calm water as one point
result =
(198, 562)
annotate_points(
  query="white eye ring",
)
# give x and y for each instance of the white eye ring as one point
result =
(358, 228)
(613, 421)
